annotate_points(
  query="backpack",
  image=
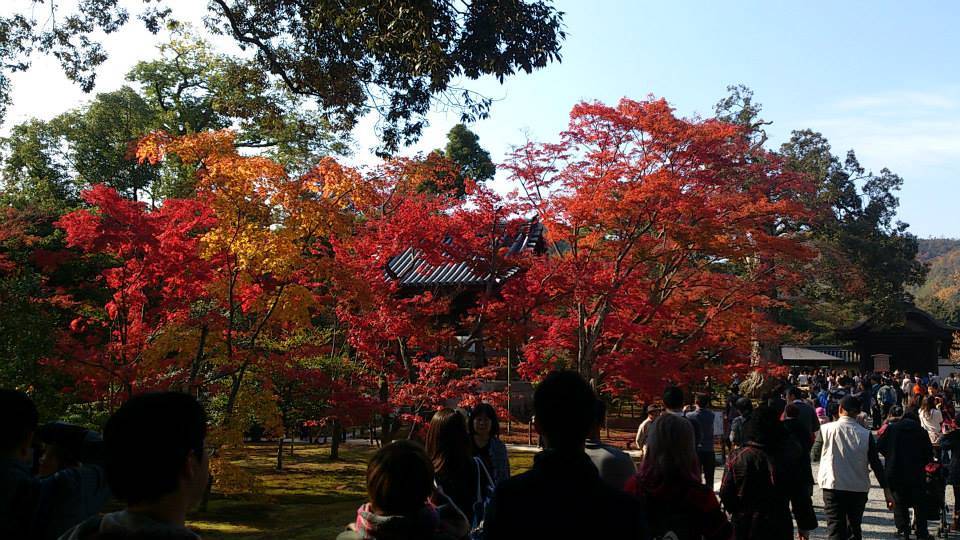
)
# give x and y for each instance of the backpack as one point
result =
(887, 395)
(482, 499)
(823, 399)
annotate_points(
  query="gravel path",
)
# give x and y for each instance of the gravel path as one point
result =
(877, 520)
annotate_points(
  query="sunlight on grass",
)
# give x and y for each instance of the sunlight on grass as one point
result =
(311, 498)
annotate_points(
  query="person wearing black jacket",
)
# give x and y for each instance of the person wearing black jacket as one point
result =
(907, 450)
(763, 480)
(562, 496)
(951, 444)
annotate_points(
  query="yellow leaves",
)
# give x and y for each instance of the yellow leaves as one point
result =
(174, 344)
(266, 220)
(190, 149)
(231, 479)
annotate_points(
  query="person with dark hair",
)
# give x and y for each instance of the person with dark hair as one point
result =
(562, 496)
(806, 414)
(400, 485)
(846, 451)
(745, 408)
(19, 491)
(669, 486)
(907, 450)
(673, 404)
(614, 465)
(485, 435)
(797, 429)
(71, 488)
(653, 412)
(157, 464)
(64, 499)
(461, 476)
(761, 480)
(951, 445)
(703, 417)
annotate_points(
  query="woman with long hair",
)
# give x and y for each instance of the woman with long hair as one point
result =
(456, 471)
(932, 420)
(669, 485)
(485, 436)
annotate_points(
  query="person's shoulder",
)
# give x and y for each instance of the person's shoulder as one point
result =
(517, 483)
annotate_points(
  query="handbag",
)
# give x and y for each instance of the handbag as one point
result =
(483, 496)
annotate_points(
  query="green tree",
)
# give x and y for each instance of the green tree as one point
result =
(463, 148)
(867, 259)
(187, 89)
(35, 171)
(99, 138)
(396, 58)
(472, 161)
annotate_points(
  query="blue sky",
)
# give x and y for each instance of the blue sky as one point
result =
(882, 78)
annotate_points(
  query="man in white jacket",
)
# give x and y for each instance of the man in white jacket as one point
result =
(846, 451)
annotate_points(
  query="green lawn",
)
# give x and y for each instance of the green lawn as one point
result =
(312, 497)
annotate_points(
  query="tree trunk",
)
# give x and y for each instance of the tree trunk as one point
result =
(206, 494)
(335, 441)
(280, 454)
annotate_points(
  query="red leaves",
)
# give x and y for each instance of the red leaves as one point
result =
(667, 248)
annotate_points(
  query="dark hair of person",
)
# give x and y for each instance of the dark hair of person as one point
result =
(764, 426)
(63, 441)
(851, 404)
(673, 398)
(399, 478)
(792, 410)
(448, 442)
(702, 400)
(485, 409)
(564, 405)
(744, 406)
(896, 411)
(19, 419)
(928, 403)
(794, 393)
(147, 442)
(777, 404)
(833, 410)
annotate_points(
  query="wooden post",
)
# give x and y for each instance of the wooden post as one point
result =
(509, 392)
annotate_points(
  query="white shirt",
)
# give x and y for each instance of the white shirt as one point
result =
(844, 459)
(932, 421)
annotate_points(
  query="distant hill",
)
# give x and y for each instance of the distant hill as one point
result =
(940, 294)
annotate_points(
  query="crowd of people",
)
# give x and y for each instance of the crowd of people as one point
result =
(457, 483)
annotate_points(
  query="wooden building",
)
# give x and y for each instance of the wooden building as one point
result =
(916, 345)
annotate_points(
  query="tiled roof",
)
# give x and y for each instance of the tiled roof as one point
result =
(413, 271)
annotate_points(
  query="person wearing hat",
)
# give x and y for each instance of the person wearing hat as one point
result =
(846, 452)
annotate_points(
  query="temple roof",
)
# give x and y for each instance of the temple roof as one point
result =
(412, 270)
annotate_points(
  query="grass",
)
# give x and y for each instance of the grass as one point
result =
(312, 497)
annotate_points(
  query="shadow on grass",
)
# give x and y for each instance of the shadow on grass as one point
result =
(311, 498)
